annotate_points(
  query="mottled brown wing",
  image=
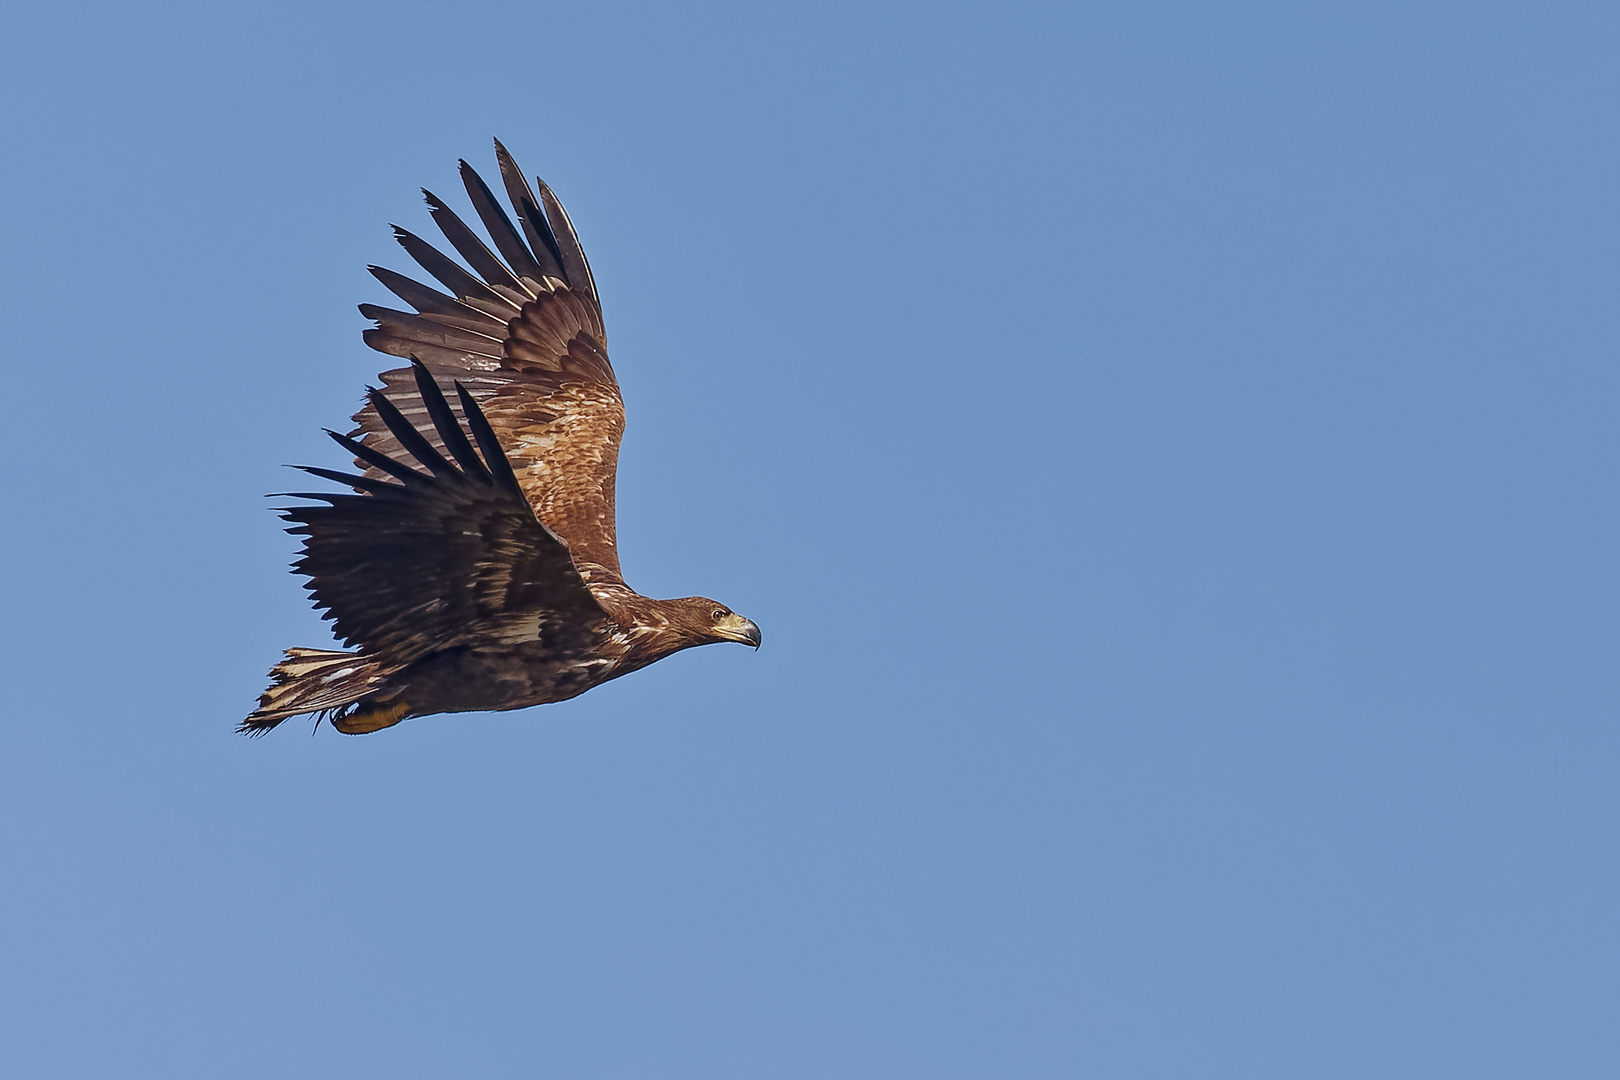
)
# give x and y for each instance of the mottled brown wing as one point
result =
(523, 332)
(425, 561)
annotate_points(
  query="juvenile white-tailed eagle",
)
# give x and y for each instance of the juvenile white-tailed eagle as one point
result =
(475, 567)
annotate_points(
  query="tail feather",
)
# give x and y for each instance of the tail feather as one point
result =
(321, 681)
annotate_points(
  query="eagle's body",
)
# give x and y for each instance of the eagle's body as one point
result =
(472, 578)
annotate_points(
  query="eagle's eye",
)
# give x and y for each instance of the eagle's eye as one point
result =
(717, 614)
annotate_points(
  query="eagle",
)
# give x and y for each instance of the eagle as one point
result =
(472, 562)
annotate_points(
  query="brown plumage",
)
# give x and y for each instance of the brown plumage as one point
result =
(475, 566)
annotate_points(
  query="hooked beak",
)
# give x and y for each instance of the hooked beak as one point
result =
(741, 630)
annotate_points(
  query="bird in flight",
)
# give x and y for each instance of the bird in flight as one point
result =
(472, 565)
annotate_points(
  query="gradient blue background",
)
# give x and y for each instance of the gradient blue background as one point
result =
(1170, 449)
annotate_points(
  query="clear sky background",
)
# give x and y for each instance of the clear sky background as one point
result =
(1170, 449)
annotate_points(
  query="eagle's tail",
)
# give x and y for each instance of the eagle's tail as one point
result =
(321, 681)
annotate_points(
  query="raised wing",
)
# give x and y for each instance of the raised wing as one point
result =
(523, 333)
(425, 561)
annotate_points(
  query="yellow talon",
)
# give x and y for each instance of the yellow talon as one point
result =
(374, 718)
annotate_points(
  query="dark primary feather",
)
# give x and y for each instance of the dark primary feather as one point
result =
(354, 480)
(487, 442)
(471, 248)
(507, 242)
(418, 447)
(435, 305)
(467, 289)
(390, 340)
(445, 423)
(569, 250)
(541, 242)
(431, 332)
(374, 458)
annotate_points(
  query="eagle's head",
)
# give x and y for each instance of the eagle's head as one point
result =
(701, 621)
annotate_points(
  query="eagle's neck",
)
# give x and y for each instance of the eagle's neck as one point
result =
(649, 629)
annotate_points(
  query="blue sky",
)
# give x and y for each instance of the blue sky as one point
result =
(1169, 449)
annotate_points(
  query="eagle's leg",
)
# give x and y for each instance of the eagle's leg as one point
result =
(368, 718)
